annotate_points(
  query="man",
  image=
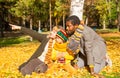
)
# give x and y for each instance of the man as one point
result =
(89, 47)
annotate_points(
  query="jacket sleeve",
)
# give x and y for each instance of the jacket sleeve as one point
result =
(88, 37)
(34, 34)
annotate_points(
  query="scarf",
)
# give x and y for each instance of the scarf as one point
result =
(60, 47)
(48, 59)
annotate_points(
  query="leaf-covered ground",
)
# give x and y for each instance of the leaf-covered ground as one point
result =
(13, 55)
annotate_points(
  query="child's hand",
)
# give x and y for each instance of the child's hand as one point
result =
(59, 55)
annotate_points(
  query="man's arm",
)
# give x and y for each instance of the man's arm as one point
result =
(73, 46)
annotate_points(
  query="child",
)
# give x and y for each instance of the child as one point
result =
(60, 56)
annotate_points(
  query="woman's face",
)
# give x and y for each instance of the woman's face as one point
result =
(70, 28)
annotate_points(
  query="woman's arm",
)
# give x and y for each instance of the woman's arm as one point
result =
(30, 32)
(73, 46)
(34, 34)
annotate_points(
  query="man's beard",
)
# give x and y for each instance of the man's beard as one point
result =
(70, 33)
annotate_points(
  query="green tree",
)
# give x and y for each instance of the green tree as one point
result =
(61, 10)
(102, 12)
(30, 9)
(41, 14)
(24, 9)
(102, 8)
(51, 7)
(118, 14)
(5, 5)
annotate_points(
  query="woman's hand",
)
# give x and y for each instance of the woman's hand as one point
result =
(15, 27)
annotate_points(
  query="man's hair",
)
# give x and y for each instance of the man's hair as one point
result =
(74, 20)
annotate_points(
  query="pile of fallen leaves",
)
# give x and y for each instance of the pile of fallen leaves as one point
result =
(12, 56)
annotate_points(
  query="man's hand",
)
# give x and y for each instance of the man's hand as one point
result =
(15, 27)
(95, 74)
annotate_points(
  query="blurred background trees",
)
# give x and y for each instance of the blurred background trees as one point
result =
(44, 14)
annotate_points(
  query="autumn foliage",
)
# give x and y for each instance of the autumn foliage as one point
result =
(12, 56)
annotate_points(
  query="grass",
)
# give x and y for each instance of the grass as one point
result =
(13, 40)
(111, 38)
(106, 30)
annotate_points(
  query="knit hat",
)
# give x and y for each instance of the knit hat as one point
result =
(62, 34)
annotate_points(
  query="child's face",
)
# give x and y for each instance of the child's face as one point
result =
(58, 40)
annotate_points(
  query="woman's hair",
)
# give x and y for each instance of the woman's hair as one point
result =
(74, 20)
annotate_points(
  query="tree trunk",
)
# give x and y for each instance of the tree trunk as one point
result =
(77, 8)
(2, 32)
(118, 14)
(86, 21)
(31, 39)
(104, 25)
(118, 22)
(39, 28)
(109, 10)
(63, 21)
(23, 22)
(56, 21)
(50, 15)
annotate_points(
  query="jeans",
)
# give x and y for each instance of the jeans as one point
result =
(97, 66)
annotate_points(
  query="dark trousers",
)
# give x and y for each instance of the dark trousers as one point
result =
(34, 65)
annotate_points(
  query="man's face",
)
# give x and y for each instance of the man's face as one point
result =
(70, 28)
